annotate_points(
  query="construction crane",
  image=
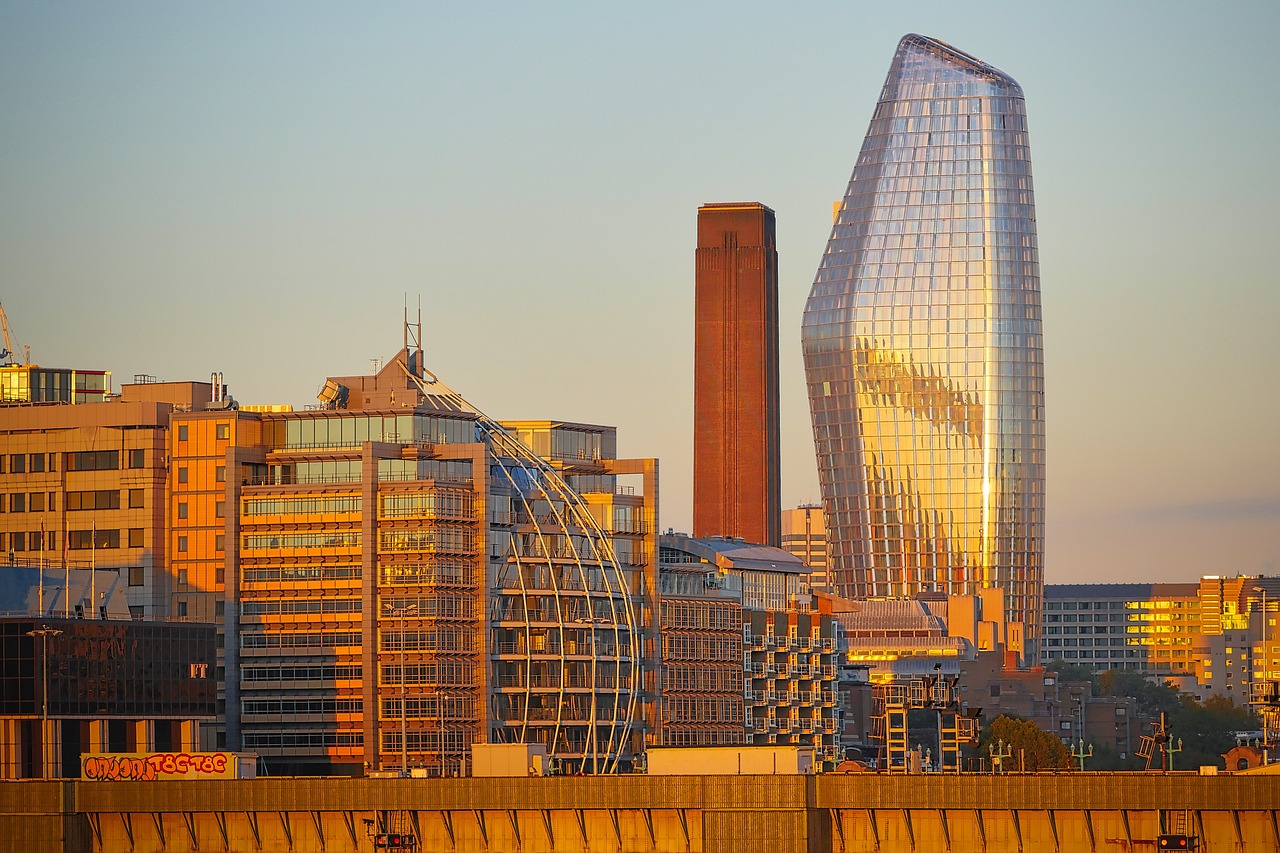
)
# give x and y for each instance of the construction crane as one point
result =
(7, 356)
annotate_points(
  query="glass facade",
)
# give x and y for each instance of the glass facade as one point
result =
(922, 345)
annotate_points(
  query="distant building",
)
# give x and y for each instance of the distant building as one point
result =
(98, 683)
(804, 533)
(1148, 627)
(1211, 637)
(748, 656)
(736, 459)
(36, 385)
(1068, 710)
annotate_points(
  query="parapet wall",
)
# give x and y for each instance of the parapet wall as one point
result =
(686, 814)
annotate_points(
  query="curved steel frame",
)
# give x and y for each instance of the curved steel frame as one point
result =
(576, 516)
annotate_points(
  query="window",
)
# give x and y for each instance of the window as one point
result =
(182, 432)
(136, 499)
(52, 503)
(37, 463)
(220, 542)
(135, 537)
(18, 502)
(34, 540)
(102, 499)
(137, 458)
(136, 612)
(137, 576)
(182, 473)
(182, 609)
(85, 540)
(182, 509)
(221, 474)
(222, 432)
(53, 462)
(94, 460)
(18, 463)
(17, 541)
(995, 690)
(220, 509)
(35, 502)
(182, 544)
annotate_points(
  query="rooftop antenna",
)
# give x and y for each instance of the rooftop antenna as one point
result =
(413, 341)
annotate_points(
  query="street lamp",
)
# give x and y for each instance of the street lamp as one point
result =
(44, 634)
(403, 613)
(1080, 752)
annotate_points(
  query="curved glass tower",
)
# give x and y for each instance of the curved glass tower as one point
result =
(922, 345)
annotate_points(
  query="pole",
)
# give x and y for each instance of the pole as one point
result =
(93, 571)
(44, 634)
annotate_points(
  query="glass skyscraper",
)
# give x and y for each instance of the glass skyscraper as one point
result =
(922, 345)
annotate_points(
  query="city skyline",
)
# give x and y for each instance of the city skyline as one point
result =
(194, 177)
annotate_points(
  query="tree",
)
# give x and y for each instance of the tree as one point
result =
(1152, 698)
(1073, 672)
(1207, 730)
(1030, 747)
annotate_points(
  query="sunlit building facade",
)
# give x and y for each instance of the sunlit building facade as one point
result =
(399, 577)
(736, 457)
(747, 654)
(922, 345)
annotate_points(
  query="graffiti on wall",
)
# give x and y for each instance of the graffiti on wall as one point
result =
(153, 766)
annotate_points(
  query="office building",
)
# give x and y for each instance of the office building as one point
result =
(1142, 626)
(736, 469)
(77, 679)
(399, 577)
(922, 345)
(83, 476)
(804, 534)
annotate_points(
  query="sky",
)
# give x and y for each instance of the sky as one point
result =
(257, 189)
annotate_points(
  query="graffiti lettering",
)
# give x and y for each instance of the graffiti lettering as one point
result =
(160, 765)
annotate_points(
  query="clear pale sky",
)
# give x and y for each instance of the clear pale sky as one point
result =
(254, 188)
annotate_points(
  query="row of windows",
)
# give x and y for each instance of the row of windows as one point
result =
(88, 460)
(352, 672)
(689, 614)
(300, 639)
(455, 539)
(436, 504)
(300, 605)
(296, 707)
(702, 709)
(442, 639)
(279, 541)
(700, 648)
(700, 678)
(328, 505)
(454, 673)
(300, 573)
(255, 740)
(77, 540)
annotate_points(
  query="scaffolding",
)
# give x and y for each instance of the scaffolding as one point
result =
(1264, 696)
(889, 722)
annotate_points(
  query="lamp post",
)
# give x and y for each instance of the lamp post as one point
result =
(403, 613)
(44, 634)
(998, 755)
(1080, 752)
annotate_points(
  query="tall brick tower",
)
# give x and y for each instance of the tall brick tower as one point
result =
(735, 400)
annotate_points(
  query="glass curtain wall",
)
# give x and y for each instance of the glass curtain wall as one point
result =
(922, 344)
